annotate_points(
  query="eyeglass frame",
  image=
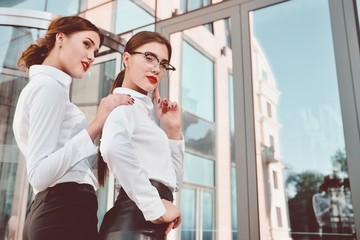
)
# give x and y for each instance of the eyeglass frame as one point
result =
(161, 64)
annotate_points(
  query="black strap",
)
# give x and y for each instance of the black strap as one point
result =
(163, 190)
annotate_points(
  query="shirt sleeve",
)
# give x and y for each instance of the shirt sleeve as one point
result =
(46, 160)
(177, 148)
(119, 153)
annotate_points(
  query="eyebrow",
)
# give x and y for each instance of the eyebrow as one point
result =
(161, 61)
(97, 51)
(90, 40)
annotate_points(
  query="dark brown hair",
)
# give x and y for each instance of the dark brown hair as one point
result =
(132, 45)
(39, 50)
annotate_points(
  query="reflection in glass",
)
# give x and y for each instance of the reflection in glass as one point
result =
(25, 4)
(15, 191)
(189, 5)
(14, 41)
(197, 83)
(63, 7)
(188, 205)
(127, 9)
(199, 135)
(192, 165)
(200, 52)
(96, 84)
(299, 135)
(234, 218)
(208, 216)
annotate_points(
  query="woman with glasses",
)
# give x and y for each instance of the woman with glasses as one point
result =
(53, 134)
(146, 160)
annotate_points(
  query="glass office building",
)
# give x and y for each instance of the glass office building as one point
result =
(270, 97)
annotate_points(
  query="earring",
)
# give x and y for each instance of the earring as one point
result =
(60, 46)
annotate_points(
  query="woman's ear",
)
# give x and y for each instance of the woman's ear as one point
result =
(60, 39)
(125, 58)
(60, 36)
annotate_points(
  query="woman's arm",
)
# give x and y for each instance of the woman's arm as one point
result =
(120, 155)
(47, 161)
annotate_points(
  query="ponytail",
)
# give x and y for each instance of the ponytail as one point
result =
(34, 54)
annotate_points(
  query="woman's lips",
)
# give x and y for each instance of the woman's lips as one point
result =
(152, 79)
(85, 66)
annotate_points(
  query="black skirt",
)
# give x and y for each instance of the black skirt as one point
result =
(65, 211)
(125, 220)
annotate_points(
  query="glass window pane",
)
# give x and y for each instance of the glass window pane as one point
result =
(208, 215)
(63, 7)
(14, 40)
(96, 84)
(197, 83)
(199, 135)
(15, 194)
(127, 9)
(25, 4)
(299, 135)
(199, 170)
(188, 213)
(234, 219)
(193, 4)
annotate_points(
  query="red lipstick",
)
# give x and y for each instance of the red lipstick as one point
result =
(152, 79)
(86, 65)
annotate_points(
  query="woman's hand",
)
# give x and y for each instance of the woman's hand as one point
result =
(107, 104)
(169, 115)
(171, 216)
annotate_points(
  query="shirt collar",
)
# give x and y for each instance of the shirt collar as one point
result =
(53, 72)
(146, 99)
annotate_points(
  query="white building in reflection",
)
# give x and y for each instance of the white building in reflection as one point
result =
(210, 51)
(273, 210)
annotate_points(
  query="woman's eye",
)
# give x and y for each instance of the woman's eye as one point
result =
(87, 45)
(149, 58)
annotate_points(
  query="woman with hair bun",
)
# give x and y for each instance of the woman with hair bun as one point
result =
(53, 135)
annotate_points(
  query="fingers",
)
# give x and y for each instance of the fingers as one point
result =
(174, 106)
(123, 99)
(172, 225)
(166, 105)
(157, 95)
(169, 227)
(177, 222)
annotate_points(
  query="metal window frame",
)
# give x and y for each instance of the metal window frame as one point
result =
(343, 21)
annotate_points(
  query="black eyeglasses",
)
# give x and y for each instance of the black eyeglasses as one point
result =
(151, 61)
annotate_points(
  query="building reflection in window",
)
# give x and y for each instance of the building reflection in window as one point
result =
(299, 136)
(204, 58)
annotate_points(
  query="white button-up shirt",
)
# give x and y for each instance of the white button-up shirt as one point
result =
(51, 131)
(136, 149)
